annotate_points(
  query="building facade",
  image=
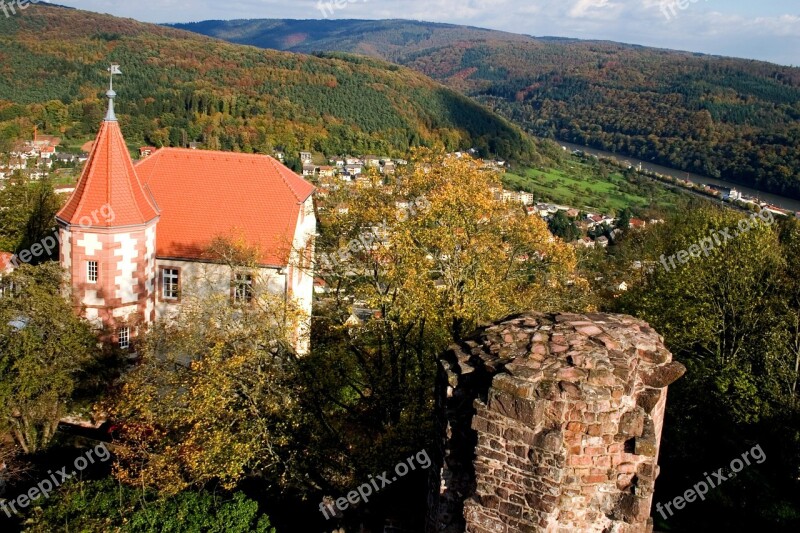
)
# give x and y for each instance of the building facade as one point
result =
(133, 235)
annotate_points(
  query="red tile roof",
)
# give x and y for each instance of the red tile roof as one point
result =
(204, 194)
(637, 223)
(109, 179)
(5, 260)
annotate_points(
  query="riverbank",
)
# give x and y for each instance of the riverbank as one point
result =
(678, 176)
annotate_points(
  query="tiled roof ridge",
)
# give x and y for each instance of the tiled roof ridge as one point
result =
(276, 165)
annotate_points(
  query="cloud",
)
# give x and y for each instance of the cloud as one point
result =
(764, 30)
(595, 8)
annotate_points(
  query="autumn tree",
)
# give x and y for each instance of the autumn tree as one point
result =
(410, 267)
(46, 352)
(212, 398)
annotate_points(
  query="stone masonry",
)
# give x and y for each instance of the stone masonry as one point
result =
(551, 423)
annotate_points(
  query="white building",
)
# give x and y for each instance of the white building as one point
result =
(132, 236)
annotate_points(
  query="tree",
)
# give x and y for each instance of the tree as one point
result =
(105, 505)
(45, 352)
(561, 226)
(624, 220)
(411, 267)
(730, 317)
(27, 212)
(790, 239)
(212, 397)
(718, 312)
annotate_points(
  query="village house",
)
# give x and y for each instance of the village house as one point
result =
(134, 237)
(146, 151)
(327, 172)
(309, 170)
(372, 161)
(353, 170)
(388, 168)
(636, 223)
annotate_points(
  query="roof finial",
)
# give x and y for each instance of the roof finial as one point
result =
(110, 116)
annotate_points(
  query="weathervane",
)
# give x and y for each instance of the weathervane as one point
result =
(110, 116)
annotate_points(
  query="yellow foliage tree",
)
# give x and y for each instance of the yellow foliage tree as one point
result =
(412, 264)
(212, 399)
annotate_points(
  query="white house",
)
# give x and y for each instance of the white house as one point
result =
(133, 235)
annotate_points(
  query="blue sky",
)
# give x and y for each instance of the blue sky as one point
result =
(767, 29)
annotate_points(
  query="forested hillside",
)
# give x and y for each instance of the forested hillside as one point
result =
(730, 118)
(178, 87)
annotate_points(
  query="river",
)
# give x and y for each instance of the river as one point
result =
(780, 201)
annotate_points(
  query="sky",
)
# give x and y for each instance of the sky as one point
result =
(768, 30)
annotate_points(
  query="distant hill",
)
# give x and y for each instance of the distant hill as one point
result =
(178, 87)
(731, 118)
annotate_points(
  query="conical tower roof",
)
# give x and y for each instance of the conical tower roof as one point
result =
(109, 184)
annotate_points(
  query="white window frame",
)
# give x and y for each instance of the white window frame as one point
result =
(124, 337)
(170, 283)
(243, 292)
(92, 275)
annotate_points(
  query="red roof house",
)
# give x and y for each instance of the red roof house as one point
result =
(130, 234)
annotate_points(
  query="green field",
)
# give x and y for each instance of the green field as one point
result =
(592, 187)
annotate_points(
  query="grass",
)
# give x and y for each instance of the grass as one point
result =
(592, 187)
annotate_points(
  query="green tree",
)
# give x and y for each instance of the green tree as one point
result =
(624, 220)
(27, 213)
(105, 505)
(561, 226)
(45, 351)
(730, 318)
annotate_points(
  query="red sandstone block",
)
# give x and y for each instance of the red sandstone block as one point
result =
(595, 479)
(576, 427)
(579, 460)
(603, 460)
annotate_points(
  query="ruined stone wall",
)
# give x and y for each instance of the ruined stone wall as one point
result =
(551, 423)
